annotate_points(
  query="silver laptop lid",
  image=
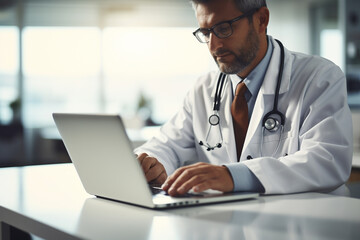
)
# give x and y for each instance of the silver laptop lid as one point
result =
(98, 145)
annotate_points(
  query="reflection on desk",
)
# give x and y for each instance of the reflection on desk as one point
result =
(256, 219)
(50, 202)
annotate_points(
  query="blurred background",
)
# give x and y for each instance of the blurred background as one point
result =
(133, 57)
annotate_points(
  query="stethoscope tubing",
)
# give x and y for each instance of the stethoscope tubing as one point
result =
(267, 116)
(219, 87)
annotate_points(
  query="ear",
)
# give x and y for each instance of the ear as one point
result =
(262, 18)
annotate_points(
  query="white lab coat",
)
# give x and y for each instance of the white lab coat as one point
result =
(315, 153)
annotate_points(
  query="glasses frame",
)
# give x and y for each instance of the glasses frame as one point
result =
(230, 22)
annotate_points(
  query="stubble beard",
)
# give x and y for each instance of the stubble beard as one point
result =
(243, 57)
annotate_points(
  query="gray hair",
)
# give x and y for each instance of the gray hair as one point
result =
(243, 5)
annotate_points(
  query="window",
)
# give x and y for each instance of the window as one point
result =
(9, 59)
(61, 71)
(328, 39)
(138, 72)
(158, 64)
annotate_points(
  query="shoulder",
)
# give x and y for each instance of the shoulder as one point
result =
(313, 66)
(315, 73)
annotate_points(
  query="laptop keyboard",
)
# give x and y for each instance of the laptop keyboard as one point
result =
(158, 190)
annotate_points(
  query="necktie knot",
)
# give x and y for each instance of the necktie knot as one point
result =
(240, 89)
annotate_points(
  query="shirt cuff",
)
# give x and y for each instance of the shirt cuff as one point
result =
(244, 179)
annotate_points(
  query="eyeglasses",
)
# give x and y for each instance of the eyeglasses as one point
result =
(221, 29)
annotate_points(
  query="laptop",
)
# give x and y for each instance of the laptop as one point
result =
(104, 159)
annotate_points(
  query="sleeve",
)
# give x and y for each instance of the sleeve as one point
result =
(323, 159)
(244, 179)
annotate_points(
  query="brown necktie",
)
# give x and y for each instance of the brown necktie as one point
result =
(240, 115)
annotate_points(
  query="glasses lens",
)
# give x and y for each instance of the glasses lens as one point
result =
(223, 30)
(202, 35)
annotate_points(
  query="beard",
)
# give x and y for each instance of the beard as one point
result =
(242, 57)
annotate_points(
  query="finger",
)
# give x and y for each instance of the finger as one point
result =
(171, 179)
(187, 179)
(154, 172)
(190, 184)
(166, 184)
(148, 163)
(141, 157)
(201, 178)
(203, 186)
(161, 179)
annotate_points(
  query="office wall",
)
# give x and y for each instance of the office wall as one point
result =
(290, 23)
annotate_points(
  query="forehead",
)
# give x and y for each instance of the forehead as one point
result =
(216, 11)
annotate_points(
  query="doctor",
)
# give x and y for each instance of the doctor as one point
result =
(310, 146)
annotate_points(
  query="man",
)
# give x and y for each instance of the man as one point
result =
(311, 152)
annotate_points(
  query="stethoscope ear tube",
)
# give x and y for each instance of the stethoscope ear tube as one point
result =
(219, 87)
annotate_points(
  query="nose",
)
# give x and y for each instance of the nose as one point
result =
(214, 43)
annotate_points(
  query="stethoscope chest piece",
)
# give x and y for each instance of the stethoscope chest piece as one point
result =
(214, 132)
(271, 124)
(214, 119)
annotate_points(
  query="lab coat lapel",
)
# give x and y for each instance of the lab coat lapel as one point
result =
(269, 84)
(267, 92)
(227, 123)
(255, 121)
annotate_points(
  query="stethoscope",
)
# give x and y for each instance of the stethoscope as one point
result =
(269, 122)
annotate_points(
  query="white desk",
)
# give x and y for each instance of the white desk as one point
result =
(356, 160)
(49, 201)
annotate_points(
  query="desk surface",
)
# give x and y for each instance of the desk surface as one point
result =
(356, 160)
(50, 202)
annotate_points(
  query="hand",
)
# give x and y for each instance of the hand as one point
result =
(154, 171)
(199, 177)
